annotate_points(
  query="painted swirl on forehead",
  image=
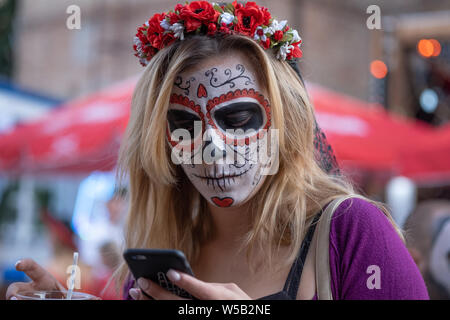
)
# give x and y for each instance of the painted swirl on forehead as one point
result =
(186, 86)
(214, 80)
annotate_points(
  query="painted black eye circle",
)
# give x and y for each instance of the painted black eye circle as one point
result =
(240, 115)
(180, 119)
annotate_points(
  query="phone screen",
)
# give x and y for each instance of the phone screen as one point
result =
(153, 264)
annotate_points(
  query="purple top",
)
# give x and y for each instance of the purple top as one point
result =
(360, 237)
(363, 246)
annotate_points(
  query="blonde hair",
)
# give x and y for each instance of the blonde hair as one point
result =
(166, 211)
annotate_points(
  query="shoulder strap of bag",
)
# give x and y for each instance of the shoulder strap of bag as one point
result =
(322, 253)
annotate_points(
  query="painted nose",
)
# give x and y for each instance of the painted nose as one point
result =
(214, 145)
(216, 151)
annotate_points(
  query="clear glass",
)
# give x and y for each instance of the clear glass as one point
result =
(53, 295)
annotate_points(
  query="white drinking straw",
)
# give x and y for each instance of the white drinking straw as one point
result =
(72, 276)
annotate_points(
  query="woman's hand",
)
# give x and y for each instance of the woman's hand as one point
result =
(199, 289)
(41, 280)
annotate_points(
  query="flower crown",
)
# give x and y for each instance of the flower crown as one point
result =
(202, 17)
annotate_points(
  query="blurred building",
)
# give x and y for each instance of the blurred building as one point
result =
(7, 14)
(65, 63)
(338, 46)
(18, 106)
(339, 49)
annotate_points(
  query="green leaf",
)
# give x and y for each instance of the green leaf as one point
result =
(229, 8)
(287, 37)
(217, 8)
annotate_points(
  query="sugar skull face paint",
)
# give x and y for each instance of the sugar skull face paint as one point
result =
(225, 97)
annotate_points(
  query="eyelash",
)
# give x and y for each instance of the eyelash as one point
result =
(185, 124)
(238, 119)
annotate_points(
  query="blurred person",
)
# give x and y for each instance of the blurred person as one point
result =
(110, 254)
(246, 233)
(62, 239)
(117, 206)
(428, 240)
(92, 220)
(111, 249)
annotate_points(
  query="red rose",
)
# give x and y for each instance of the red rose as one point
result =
(224, 29)
(212, 28)
(173, 17)
(278, 35)
(155, 31)
(149, 52)
(196, 13)
(249, 18)
(266, 44)
(178, 7)
(237, 5)
(296, 52)
(266, 15)
(168, 39)
(140, 34)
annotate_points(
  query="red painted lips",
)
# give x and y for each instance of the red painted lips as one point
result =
(223, 202)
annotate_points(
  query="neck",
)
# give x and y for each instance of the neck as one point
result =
(229, 224)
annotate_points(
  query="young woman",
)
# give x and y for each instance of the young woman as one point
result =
(244, 225)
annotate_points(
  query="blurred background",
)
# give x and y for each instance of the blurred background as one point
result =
(378, 73)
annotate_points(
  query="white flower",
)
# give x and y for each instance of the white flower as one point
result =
(165, 24)
(137, 41)
(139, 49)
(143, 61)
(285, 49)
(276, 26)
(295, 36)
(178, 30)
(258, 37)
(226, 18)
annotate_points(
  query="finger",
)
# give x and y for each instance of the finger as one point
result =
(197, 288)
(155, 291)
(32, 269)
(136, 294)
(17, 287)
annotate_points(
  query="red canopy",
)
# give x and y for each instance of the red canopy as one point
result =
(367, 136)
(80, 136)
(84, 135)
